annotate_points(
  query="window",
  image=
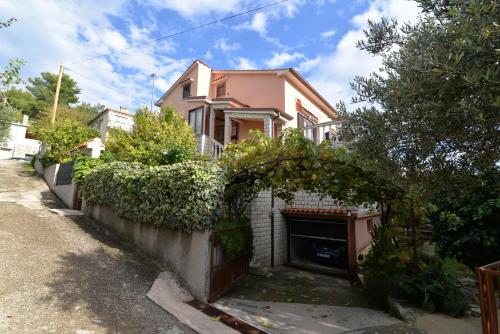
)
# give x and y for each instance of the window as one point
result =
(221, 90)
(196, 120)
(186, 91)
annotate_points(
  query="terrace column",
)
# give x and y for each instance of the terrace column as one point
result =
(211, 124)
(227, 129)
(268, 126)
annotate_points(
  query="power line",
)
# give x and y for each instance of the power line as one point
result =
(103, 84)
(183, 31)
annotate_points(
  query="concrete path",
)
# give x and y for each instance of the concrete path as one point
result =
(62, 274)
(299, 318)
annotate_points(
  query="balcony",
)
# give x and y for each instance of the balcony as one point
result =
(329, 131)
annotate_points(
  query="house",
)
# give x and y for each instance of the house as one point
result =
(19, 145)
(111, 118)
(222, 106)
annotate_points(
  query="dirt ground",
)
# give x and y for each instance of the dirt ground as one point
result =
(68, 274)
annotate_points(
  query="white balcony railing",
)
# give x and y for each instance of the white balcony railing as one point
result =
(324, 131)
(217, 149)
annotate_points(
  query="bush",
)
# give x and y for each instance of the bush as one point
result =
(437, 288)
(388, 271)
(184, 196)
(234, 241)
(155, 139)
(61, 138)
(84, 164)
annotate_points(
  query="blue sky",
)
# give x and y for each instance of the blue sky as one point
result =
(317, 37)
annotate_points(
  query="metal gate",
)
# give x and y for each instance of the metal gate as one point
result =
(489, 285)
(231, 252)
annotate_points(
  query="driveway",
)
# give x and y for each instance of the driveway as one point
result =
(68, 274)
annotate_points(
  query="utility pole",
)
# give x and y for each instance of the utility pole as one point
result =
(56, 96)
(152, 90)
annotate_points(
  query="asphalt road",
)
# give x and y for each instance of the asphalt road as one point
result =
(68, 274)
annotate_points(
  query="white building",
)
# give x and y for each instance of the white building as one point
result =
(17, 145)
(110, 118)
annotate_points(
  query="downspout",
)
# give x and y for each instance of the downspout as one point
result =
(272, 207)
(272, 226)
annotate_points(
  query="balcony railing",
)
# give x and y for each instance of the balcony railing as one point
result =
(329, 131)
(217, 149)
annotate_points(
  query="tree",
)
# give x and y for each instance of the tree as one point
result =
(61, 138)
(431, 117)
(154, 140)
(43, 89)
(8, 23)
(24, 101)
(8, 77)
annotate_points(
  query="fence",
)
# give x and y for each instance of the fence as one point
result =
(489, 285)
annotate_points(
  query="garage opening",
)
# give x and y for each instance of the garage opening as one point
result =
(320, 242)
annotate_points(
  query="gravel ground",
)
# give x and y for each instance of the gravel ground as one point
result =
(68, 274)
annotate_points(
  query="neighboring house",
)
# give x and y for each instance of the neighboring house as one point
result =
(222, 106)
(19, 145)
(110, 118)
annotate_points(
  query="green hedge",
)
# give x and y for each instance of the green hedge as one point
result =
(184, 196)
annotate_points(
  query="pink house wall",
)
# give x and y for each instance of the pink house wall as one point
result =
(363, 236)
(256, 90)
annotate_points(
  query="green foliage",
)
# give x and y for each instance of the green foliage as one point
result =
(183, 196)
(8, 115)
(11, 75)
(24, 101)
(43, 89)
(61, 138)
(388, 271)
(234, 237)
(469, 229)
(292, 162)
(429, 122)
(437, 288)
(84, 164)
(384, 264)
(5, 24)
(154, 140)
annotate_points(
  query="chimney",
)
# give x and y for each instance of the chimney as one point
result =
(25, 119)
(124, 109)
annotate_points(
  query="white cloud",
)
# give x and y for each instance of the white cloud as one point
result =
(243, 63)
(280, 59)
(208, 55)
(328, 34)
(225, 46)
(332, 74)
(309, 64)
(49, 31)
(193, 8)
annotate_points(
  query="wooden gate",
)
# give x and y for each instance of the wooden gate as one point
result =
(231, 252)
(489, 285)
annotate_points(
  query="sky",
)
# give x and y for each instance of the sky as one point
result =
(316, 37)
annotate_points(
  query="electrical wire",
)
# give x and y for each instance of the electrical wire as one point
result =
(183, 31)
(104, 85)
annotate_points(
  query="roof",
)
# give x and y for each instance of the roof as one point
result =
(332, 112)
(106, 110)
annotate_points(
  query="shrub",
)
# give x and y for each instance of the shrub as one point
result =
(84, 164)
(61, 138)
(437, 288)
(234, 241)
(155, 139)
(389, 271)
(184, 196)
